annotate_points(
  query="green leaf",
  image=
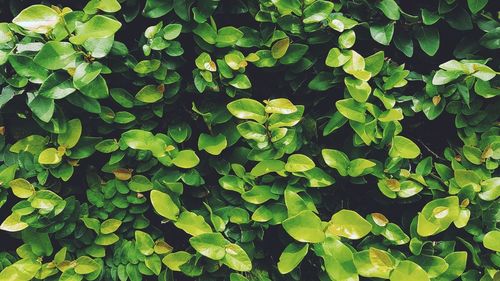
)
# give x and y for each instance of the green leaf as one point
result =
(404, 148)
(299, 163)
(49, 156)
(13, 223)
(55, 55)
(337, 58)
(457, 262)
(147, 66)
(71, 136)
(157, 8)
(241, 82)
(140, 183)
(317, 11)
(337, 160)
(476, 5)
(374, 263)
(144, 243)
(236, 258)
(280, 105)
(382, 33)
(186, 159)
(228, 36)
(305, 227)
(150, 94)
(348, 224)
(410, 271)
(390, 9)
(164, 205)
(428, 39)
(266, 167)
(291, 257)
(33, 144)
(212, 144)
(437, 216)
(57, 86)
(21, 188)
(359, 166)
(37, 18)
(358, 89)
(97, 27)
(278, 50)
(259, 194)
(429, 17)
(347, 39)
(351, 109)
(491, 240)
(248, 109)
(86, 265)
(210, 245)
(192, 224)
(110, 225)
(172, 31)
(86, 73)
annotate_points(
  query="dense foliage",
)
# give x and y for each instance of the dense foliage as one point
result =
(249, 140)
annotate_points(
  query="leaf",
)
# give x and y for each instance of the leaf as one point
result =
(299, 163)
(259, 194)
(428, 39)
(13, 223)
(157, 8)
(192, 224)
(291, 257)
(55, 55)
(147, 66)
(304, 227)
(359, 166)
(358, 89)
(212, 144)
(491, 240)
(98, 26)
(71, 136)
(336, 58)
(278, 50)
(410, 271)
(228, 36)
(404, 148)
(236, 258)
(110, 225)
(348, 224)
(347, 39)
(57, 86)
(49, 156)
(150, 94)
(476, 5)
(390, 9)
(186, 159)
(37, 18)
(317, 11)
(351, 109)
(247, 109)
(241, 82)
(210, 245)
(144, 243)
(337, 160)
(280, 105)
(86, 265)
(164, 205)
(267, 166)
(172, 31)
(21, 188)
(382, 33)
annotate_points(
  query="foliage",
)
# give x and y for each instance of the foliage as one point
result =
(249, 140)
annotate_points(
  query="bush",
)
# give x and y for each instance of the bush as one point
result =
(249, 140)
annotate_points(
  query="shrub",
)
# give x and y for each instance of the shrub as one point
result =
(249, 140)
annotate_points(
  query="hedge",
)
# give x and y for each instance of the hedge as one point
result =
(249, 140)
